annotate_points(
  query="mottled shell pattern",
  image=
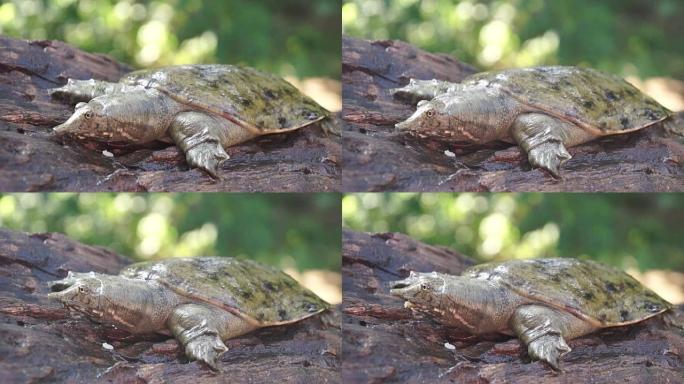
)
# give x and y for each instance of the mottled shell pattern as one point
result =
(258, 293)
(259, 101)
(602, 295)
(598, 102)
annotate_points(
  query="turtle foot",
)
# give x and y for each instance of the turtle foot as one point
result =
(207, 156)
(549, 155)
(207, 349)
(548, 348)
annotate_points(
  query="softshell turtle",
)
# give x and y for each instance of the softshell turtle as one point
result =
(200, 301)
(543, 302)
(542, 109)
(201, 108)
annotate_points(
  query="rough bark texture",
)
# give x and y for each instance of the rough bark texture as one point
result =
(40, 341)
(383, 342)
(301, 161)
(377, 159)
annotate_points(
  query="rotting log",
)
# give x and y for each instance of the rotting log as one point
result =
(384, 343)
(376, 158)
(306, 160)
(40, 341)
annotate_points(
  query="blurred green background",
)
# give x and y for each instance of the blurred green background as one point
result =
(638, 231)
(290, 37)
(628, 37)
(300, 231)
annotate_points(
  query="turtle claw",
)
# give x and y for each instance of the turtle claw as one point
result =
(207, 156)
(207, 349)
(548, 348)
(549, 155)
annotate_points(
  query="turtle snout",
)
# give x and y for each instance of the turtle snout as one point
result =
(402, 126)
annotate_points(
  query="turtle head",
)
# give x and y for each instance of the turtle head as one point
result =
(429, 119)
(81, 292)
(125, 303)
(460, 302)
(130, 116)
(472, 116)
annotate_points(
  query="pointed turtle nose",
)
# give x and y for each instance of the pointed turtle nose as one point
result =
(62, 128)
(74, 122)
(402, 126)
(54, 295)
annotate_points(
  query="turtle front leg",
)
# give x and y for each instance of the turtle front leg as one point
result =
(202, 138)
(544, 137)
(201, 330)
(76, 91)
(544, 330)
(417, 90)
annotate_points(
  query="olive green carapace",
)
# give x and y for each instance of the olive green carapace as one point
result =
(599, 102)
(259, 293)
(201, 301)
(259, 101)
(544, 110)
(593, 291)
(543, 302)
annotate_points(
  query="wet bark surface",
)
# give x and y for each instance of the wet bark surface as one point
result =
(385, 343)
(375, 158)
(306, 160)
(40, 341)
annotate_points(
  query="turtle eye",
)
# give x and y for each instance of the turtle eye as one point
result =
(424, 287)
(88, 114)
(430, 113)
(81, 290)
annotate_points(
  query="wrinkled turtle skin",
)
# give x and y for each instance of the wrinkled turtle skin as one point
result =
(200, 301)
(201, 108)
(542, 109)
(543, 302)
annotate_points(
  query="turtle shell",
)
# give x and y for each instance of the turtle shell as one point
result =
(259, 101)
(258, 293)
(598, 102)
(600, 294)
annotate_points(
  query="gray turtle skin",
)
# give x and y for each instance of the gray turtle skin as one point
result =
(201, 108)
(200, 301)
(543, 302)
(542, 109)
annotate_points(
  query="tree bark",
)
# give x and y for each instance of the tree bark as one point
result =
(385, 343)
(302, 161)
(41, 341)
(375, 158)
